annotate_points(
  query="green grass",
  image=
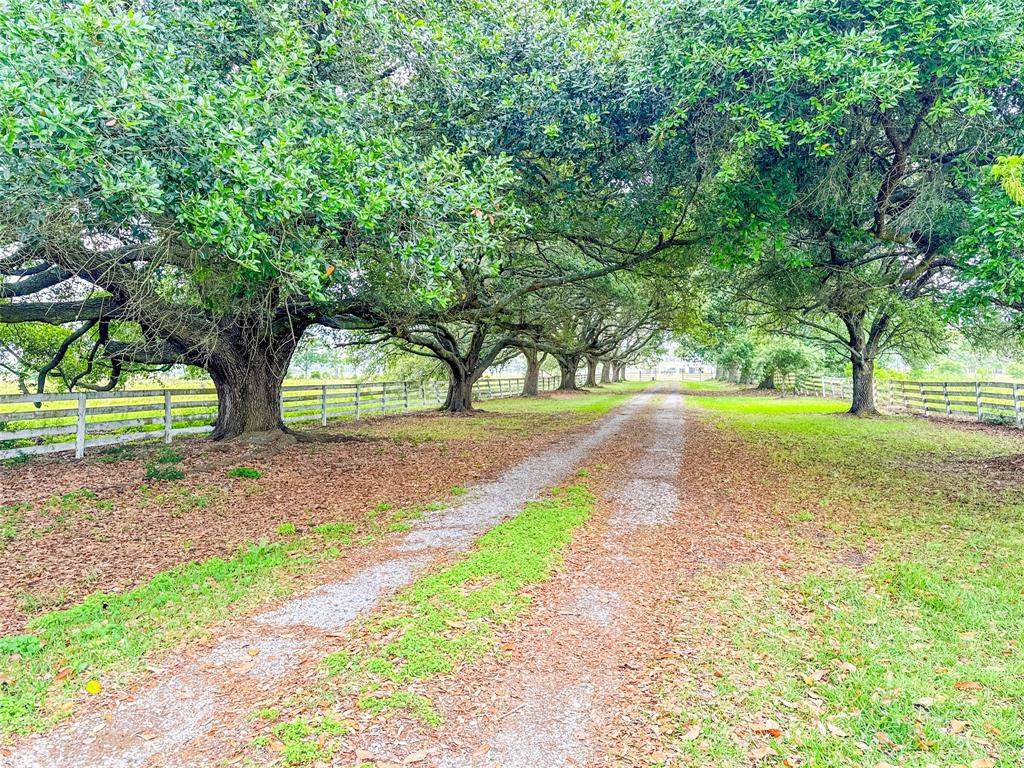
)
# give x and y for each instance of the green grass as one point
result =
(767, 406)
(918, 658)
(302, 739)
(446, 619)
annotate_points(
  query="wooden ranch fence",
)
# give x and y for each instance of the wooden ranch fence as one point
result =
(56, 422)
(992, 401)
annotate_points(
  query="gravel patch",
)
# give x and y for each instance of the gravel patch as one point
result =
(598, 606)
(331, 607)
(651, 497)
(171, 714)
(645, 502)
(269, 656)
(547, 731)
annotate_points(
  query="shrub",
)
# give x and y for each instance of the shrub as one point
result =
(116, 453)
(167, 456)
(155, 472)
(246, 472)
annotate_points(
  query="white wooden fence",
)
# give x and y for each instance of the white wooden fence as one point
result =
(994, 401)
(56, 422)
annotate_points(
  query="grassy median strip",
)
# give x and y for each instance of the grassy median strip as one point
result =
(446, 619)
(897, 635)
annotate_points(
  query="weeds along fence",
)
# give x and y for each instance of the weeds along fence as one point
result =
(996, 402)
(57, 422)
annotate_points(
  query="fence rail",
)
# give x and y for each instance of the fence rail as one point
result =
(58, 422)
(992, 401)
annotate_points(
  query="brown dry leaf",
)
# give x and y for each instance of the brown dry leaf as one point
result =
(691, 733)
(254, 651)
(362, 754)
(147, 735)
(958, 726)
(769, 727)
(816, 676)
(276, 745)
(416, 757)
(760, 753)
(967, 685)
(63, 673)
(983, 762)
(483, 749)
(883, 739)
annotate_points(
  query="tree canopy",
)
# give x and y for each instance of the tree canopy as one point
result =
(203, 183)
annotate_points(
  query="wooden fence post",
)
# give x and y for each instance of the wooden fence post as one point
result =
(405, 386)
(1016, 406)
(423, 394)
(357, 401)
(977, 400)
(80, 427)
(906, 401)
(168, 418)
(383, 398)
(323, 406)
(924, 402)
(892, 394)
(945, 397)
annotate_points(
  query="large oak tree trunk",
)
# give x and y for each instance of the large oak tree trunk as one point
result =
(863, 344)
(606, 372)
(863, 386)
(620, 372)
(591, 372)
(567, 366)
(531, 384)
(248, 376)
(460, 392)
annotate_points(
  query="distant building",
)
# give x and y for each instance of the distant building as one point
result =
(678, 367)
